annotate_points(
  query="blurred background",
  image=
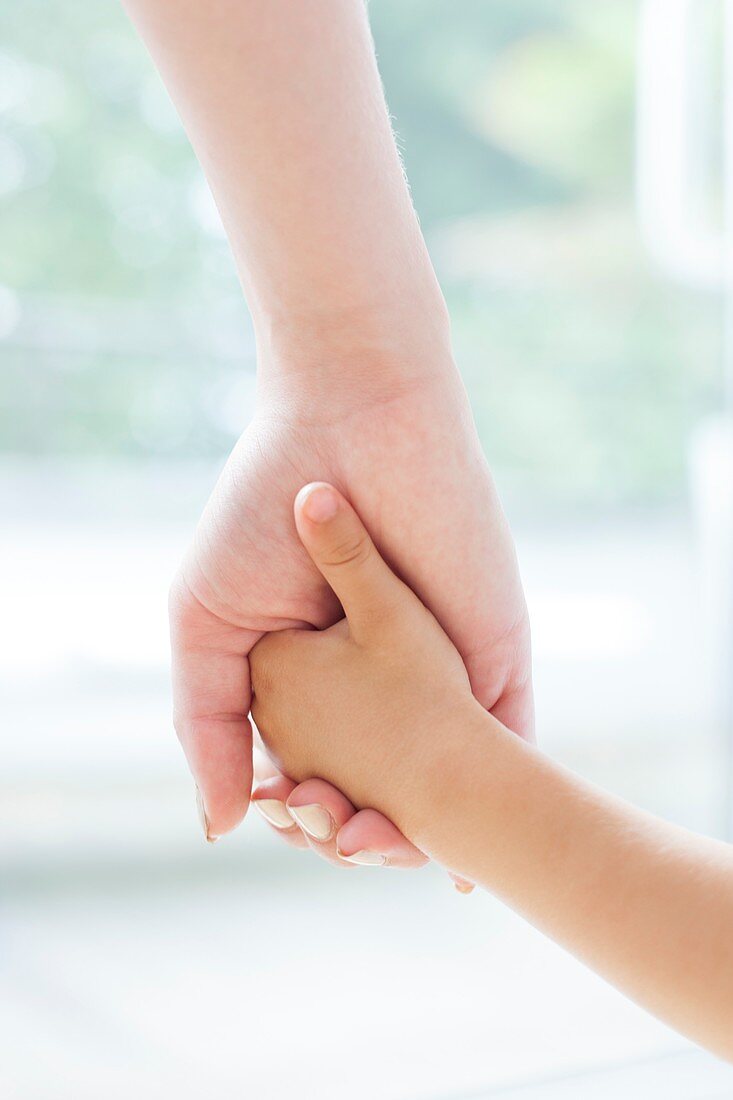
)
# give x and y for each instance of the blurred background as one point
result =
(569, 167)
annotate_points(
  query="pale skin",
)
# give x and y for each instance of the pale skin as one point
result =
(381, 705)
(283, 104)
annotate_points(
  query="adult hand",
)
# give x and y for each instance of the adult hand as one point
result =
(409, 459)
(284, 106)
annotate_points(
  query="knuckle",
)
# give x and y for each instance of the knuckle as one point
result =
(351, 551)
(186, 611)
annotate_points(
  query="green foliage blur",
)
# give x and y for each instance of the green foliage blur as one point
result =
(122, 327)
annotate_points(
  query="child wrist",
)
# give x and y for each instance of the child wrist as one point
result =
(440, 774)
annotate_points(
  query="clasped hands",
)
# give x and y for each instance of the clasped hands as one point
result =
(374, 704)
(410, 463)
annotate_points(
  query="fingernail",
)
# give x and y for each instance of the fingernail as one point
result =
(320, 503)
(211, 838)
(313, 820)
(274, 811)
(365, 858)
(462, 885)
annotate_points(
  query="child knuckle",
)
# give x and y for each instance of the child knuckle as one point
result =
(351, 551)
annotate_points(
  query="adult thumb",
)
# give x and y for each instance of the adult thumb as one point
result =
(341, 548)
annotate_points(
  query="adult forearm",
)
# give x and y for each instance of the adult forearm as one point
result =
(646, 904)
(283, 103)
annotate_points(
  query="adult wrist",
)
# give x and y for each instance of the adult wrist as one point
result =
(363, 351)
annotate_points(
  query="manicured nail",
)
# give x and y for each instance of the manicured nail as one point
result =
(365, 858)
(274, 811)
(313, 820)
(211, 837)
(320, 503)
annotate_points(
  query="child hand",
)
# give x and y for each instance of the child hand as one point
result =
(372, 703)
(380, 704)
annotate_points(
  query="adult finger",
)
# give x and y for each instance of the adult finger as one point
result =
(320, 810)
(211, 697)
(369, 839)
(269, 797)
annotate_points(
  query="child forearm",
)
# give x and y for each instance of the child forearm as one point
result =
(647, 904)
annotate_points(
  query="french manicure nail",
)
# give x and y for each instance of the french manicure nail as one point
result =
(365, 858)
(313, 820)
(274, 811)
(211, 838)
